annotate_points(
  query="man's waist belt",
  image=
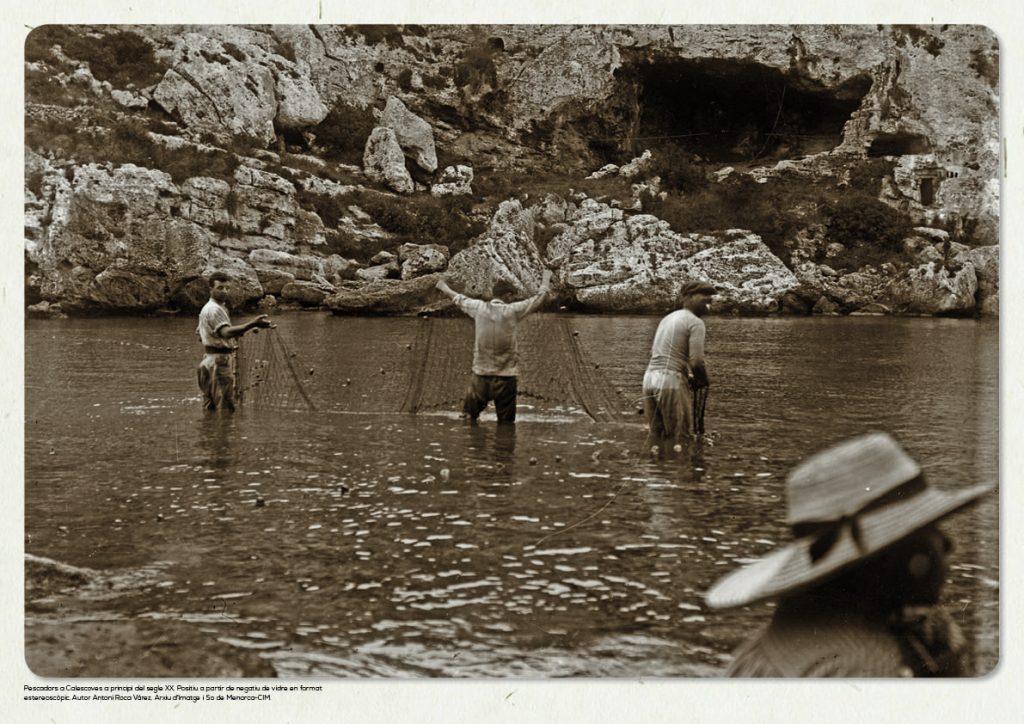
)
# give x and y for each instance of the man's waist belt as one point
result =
(218, 350)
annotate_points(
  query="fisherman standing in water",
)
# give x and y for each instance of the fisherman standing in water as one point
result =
(216, 373)
(495, 353)
(676, 368)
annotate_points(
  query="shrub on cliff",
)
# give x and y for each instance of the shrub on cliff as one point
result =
(738, 204)
(125, 140)
(417, 219)
(120, 57)
(857, 218)
(423, 219)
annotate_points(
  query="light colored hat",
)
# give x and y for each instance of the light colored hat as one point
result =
(845, 503)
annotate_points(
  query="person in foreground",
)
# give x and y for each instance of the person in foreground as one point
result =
(858, 588)
(218, 336)
(495, 352)
(676, 367)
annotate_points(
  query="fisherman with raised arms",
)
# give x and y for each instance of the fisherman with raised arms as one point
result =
(495, 352)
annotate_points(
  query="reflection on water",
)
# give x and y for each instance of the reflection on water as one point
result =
(362, 541)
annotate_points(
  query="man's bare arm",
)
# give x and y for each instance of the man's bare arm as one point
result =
(237, 330)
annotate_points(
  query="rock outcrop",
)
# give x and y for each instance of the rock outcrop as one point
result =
(419, 259)
(384, 161)
(505, 251)
(455, 181)
(218, 86)
(388, 296)
(917, 106)
(414, 135)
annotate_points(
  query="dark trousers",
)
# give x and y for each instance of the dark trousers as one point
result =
(483, 389)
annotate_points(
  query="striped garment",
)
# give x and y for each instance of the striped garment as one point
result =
(815, 641)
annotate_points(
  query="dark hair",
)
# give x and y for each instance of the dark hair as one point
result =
(503, 289)
(883, 581)
(218, 276)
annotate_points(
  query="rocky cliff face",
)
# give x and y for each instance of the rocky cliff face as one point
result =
(156, 154)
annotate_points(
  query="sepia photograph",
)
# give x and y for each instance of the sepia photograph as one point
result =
(511, 351)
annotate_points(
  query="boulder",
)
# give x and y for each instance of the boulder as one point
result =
(855, 290)
(921, 248)
(388, 296)
(298, 101)
(306, 293)
(507, 251)
(211, 90)
(985, 260)
(874, 309)
(825, 306)
(384, 257)
(273, 280)
(455, 181)
(337, 269)
(420, 259)
(931, 234)
(747, 275)
(609, 169)
(384, 162)
(637, 263)
(414, 135)
(301, 267)
(129, 100)
(934, 289)
(639, 166)
(390, 270)
(45, 309)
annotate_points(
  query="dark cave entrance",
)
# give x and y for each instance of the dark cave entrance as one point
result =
(730, 111)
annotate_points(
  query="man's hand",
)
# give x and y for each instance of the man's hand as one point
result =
(262, 321)
(700, 378)
(442, 285)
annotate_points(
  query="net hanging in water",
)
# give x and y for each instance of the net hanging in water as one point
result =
(700, 403)
(554, 368)
(268, 376)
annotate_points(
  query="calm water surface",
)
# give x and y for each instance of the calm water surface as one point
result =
(362, 541)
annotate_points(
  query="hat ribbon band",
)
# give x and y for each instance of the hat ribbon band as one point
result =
(827, 533)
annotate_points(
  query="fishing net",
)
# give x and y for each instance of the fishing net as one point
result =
(700, 401)
(554, 368)
(268, 374)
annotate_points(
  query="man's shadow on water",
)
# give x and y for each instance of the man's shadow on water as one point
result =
(494, 446)
(690, 455)
(214, 441)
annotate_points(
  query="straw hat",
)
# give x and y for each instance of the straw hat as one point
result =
(846, 503)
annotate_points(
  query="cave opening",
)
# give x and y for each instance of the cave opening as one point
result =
(898, 144)
(732, 111)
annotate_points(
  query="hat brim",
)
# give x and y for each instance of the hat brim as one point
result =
(791, 569)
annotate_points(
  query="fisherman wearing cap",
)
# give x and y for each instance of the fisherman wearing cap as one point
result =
(676, 368)
(495, 353)
(858, 588)
(216, 371)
